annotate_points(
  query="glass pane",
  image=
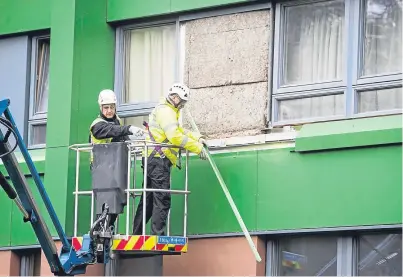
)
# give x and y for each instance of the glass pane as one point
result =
(314, 40)
(380, 255)
(136, 120)
(379, 100)
(149, 63)
(309, 256)
(42, 75)
(318, 106)
(38, 134)
(383, 37)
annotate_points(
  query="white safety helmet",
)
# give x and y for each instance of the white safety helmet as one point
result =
(106, 96)
(181, 90)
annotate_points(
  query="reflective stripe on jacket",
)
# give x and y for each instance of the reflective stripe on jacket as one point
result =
(107, 139)
(164, 127)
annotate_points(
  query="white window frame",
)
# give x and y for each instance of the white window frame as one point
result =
(350, 84)
(35, 119)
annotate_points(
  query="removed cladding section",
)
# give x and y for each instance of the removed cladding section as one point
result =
(226, 68)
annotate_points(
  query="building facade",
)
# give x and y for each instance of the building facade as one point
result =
(301, 102)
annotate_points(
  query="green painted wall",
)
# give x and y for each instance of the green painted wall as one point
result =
(81, 64)
(24, 15)
(130, 9)
(273, 189)
(350, 133)
(281, 189)
(14, 231)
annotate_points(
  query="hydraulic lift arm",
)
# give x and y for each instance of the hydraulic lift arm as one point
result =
(69, 262)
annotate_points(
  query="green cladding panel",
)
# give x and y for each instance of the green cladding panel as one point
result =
(82, 64)
(6, 206)
(183, 5)
(282, 189)
(24, 15)
(329, 189)
(12, 231)
(350, 133)
(131, 9)
(209, 210)
(22, 232)
(126, 9)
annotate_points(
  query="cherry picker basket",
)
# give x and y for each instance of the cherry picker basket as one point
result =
(125, 242)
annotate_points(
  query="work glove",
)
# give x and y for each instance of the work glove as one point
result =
(137, 132)
(203, 141)
(203, 155)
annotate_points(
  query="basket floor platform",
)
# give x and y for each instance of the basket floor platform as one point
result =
(143, 245)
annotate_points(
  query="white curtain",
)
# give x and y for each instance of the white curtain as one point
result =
(149, 63)
(314, 43)
(27, 263)
(42, 83)
(382, 52)
(313, 53)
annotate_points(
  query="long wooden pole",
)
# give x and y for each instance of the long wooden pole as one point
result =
(227, 194)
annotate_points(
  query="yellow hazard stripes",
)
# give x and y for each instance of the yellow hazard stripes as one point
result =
(143, 243)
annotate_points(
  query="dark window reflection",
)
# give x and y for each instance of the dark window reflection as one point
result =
(380, 255)
(308, 256)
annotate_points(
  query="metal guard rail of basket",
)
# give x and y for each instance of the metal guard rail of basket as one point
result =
(135, 148)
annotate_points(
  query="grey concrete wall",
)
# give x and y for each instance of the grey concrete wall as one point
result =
(226, 68)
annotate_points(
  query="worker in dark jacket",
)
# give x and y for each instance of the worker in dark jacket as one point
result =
(108, 127)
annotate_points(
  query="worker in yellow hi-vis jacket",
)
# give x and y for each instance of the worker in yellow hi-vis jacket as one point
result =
(163, 127)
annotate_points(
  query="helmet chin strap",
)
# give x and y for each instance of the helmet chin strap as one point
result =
(180, 105)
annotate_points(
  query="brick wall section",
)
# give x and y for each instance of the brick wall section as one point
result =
(217, 257)
(226, 68)
(10, 264)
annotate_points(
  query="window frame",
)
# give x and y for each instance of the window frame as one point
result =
(351, 81)
(348, 245)
(125, 110)
(29, 261)
(35, 119)
(144, 108)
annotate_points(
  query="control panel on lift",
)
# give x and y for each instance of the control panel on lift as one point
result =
(114, 186)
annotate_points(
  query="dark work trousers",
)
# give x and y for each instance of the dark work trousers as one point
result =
(157, 203)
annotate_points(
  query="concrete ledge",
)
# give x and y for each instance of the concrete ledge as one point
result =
(350, 133)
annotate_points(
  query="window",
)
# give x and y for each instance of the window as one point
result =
(39, 92)
(146, 66)
(364, 254)
(307, 256)
(336, 59)
(30, 262)
(135, 120)
(380, 255)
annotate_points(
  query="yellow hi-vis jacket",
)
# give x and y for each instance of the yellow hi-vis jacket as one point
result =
(164, 127)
